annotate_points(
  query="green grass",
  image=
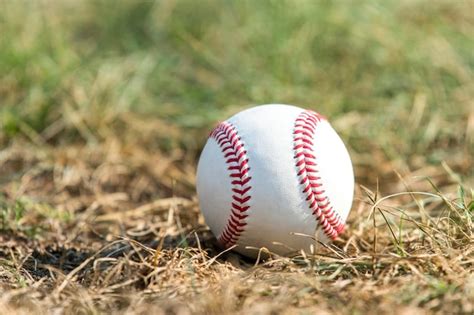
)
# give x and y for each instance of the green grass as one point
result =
(105, 106)
(29, 218)
(192, 63)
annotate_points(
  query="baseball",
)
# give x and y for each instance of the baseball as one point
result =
(275, 176)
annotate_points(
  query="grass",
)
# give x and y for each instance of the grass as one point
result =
(105, 106)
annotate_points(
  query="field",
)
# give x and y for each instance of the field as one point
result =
(105, 106)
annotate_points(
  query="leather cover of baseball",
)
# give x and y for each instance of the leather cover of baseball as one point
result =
(272, 171)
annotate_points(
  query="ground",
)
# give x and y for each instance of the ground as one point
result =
(105, 106)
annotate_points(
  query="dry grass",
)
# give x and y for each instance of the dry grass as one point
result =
(100, 134)
(91, 230)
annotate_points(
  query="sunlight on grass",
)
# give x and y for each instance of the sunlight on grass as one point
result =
(105, 106)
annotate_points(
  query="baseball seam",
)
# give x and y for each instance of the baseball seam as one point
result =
(233, 149)
(311, 182)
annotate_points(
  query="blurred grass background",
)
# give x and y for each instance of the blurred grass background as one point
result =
(72, 70)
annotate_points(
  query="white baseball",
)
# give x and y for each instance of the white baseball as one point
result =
(272, 171)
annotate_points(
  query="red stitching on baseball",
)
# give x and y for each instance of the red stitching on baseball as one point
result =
(306, 164)
(235, 154)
